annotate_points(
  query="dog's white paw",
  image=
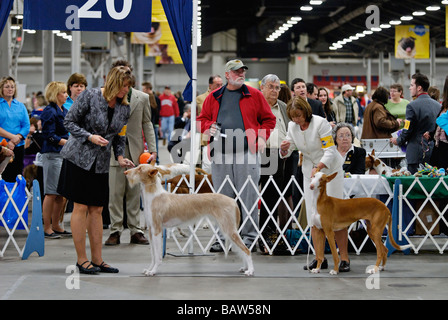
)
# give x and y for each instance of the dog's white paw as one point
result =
(315, 270)
(373, 270)
(333, 272)
(249, 273)
(148, 273)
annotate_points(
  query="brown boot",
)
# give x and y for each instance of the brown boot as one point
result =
(113, 240)
(139, 238)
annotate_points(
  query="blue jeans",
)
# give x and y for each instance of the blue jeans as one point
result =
(167, 124)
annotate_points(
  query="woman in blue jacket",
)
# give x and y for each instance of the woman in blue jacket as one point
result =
(55, 136)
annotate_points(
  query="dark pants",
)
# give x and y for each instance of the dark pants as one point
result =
(271, 195)
(16, 167)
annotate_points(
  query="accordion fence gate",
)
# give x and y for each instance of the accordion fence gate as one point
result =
(356, 186)
(426, 190)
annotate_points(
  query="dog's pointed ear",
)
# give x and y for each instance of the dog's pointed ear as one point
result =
(331, 176)
(373, 152)
(153, 163)
(153, 172)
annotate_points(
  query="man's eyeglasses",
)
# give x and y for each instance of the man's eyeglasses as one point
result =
(271, 87)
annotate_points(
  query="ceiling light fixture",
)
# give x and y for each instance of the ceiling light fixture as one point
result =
(282, 29)
(306, 8)
(418, 13)
(315, 2)
(406, 18)
(433, 8)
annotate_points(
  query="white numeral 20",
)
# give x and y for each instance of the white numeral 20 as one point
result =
(72, 21)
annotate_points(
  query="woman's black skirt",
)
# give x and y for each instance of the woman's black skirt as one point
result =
(82, 186)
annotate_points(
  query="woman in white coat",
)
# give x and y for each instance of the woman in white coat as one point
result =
(312, 136)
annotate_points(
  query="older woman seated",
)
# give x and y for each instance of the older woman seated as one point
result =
(354, 157)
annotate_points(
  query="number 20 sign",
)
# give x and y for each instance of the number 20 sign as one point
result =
(88, 15)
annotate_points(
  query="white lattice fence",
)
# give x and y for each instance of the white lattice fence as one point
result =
(429, 202)
(357, 185)
(19, 209)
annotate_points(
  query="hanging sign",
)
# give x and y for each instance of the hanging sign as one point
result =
(412, 41)
(88, 15)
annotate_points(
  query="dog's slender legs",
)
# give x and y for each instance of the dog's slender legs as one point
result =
(331, 241)
(381, 251)
(147, 270)
(156, 253)
(248, 268)
(318, 237)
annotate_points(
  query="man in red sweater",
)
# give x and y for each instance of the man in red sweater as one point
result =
(169, 110)
(246, 121)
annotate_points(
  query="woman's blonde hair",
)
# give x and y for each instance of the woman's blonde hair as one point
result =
(53, 89)
(2, 84)
(115, 81)
(299, 103)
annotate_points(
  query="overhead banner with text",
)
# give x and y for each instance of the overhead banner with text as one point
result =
(412, 41)
(88, 15)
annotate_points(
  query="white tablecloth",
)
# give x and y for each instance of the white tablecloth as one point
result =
(361, 185)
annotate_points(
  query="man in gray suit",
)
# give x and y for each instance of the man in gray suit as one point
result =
(421, 115)
(139, 121)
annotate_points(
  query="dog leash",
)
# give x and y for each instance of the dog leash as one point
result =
(378, 155)
(308, 256)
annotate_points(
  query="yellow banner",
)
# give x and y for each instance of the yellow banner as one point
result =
(160, 42)
(412, 41)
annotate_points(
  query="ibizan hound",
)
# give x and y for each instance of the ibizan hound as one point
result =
(165, 210)
(336, 214)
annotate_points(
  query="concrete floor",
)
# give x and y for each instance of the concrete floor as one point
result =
(213, 277)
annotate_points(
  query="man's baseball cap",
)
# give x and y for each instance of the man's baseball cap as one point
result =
(235, 65)
(346, 87)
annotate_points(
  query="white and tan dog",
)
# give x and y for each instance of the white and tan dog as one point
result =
(336, 214)
(167, 210)
(376, 164)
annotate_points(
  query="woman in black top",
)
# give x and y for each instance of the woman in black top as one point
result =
(354, 157)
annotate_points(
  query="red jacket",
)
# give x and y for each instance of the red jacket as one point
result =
(258, 119)
(168, 106)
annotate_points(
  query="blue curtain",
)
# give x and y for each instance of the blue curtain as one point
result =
(180, 18)
(5, 9)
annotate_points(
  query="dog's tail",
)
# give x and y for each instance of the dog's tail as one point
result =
(391, 237)
(201, 171)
